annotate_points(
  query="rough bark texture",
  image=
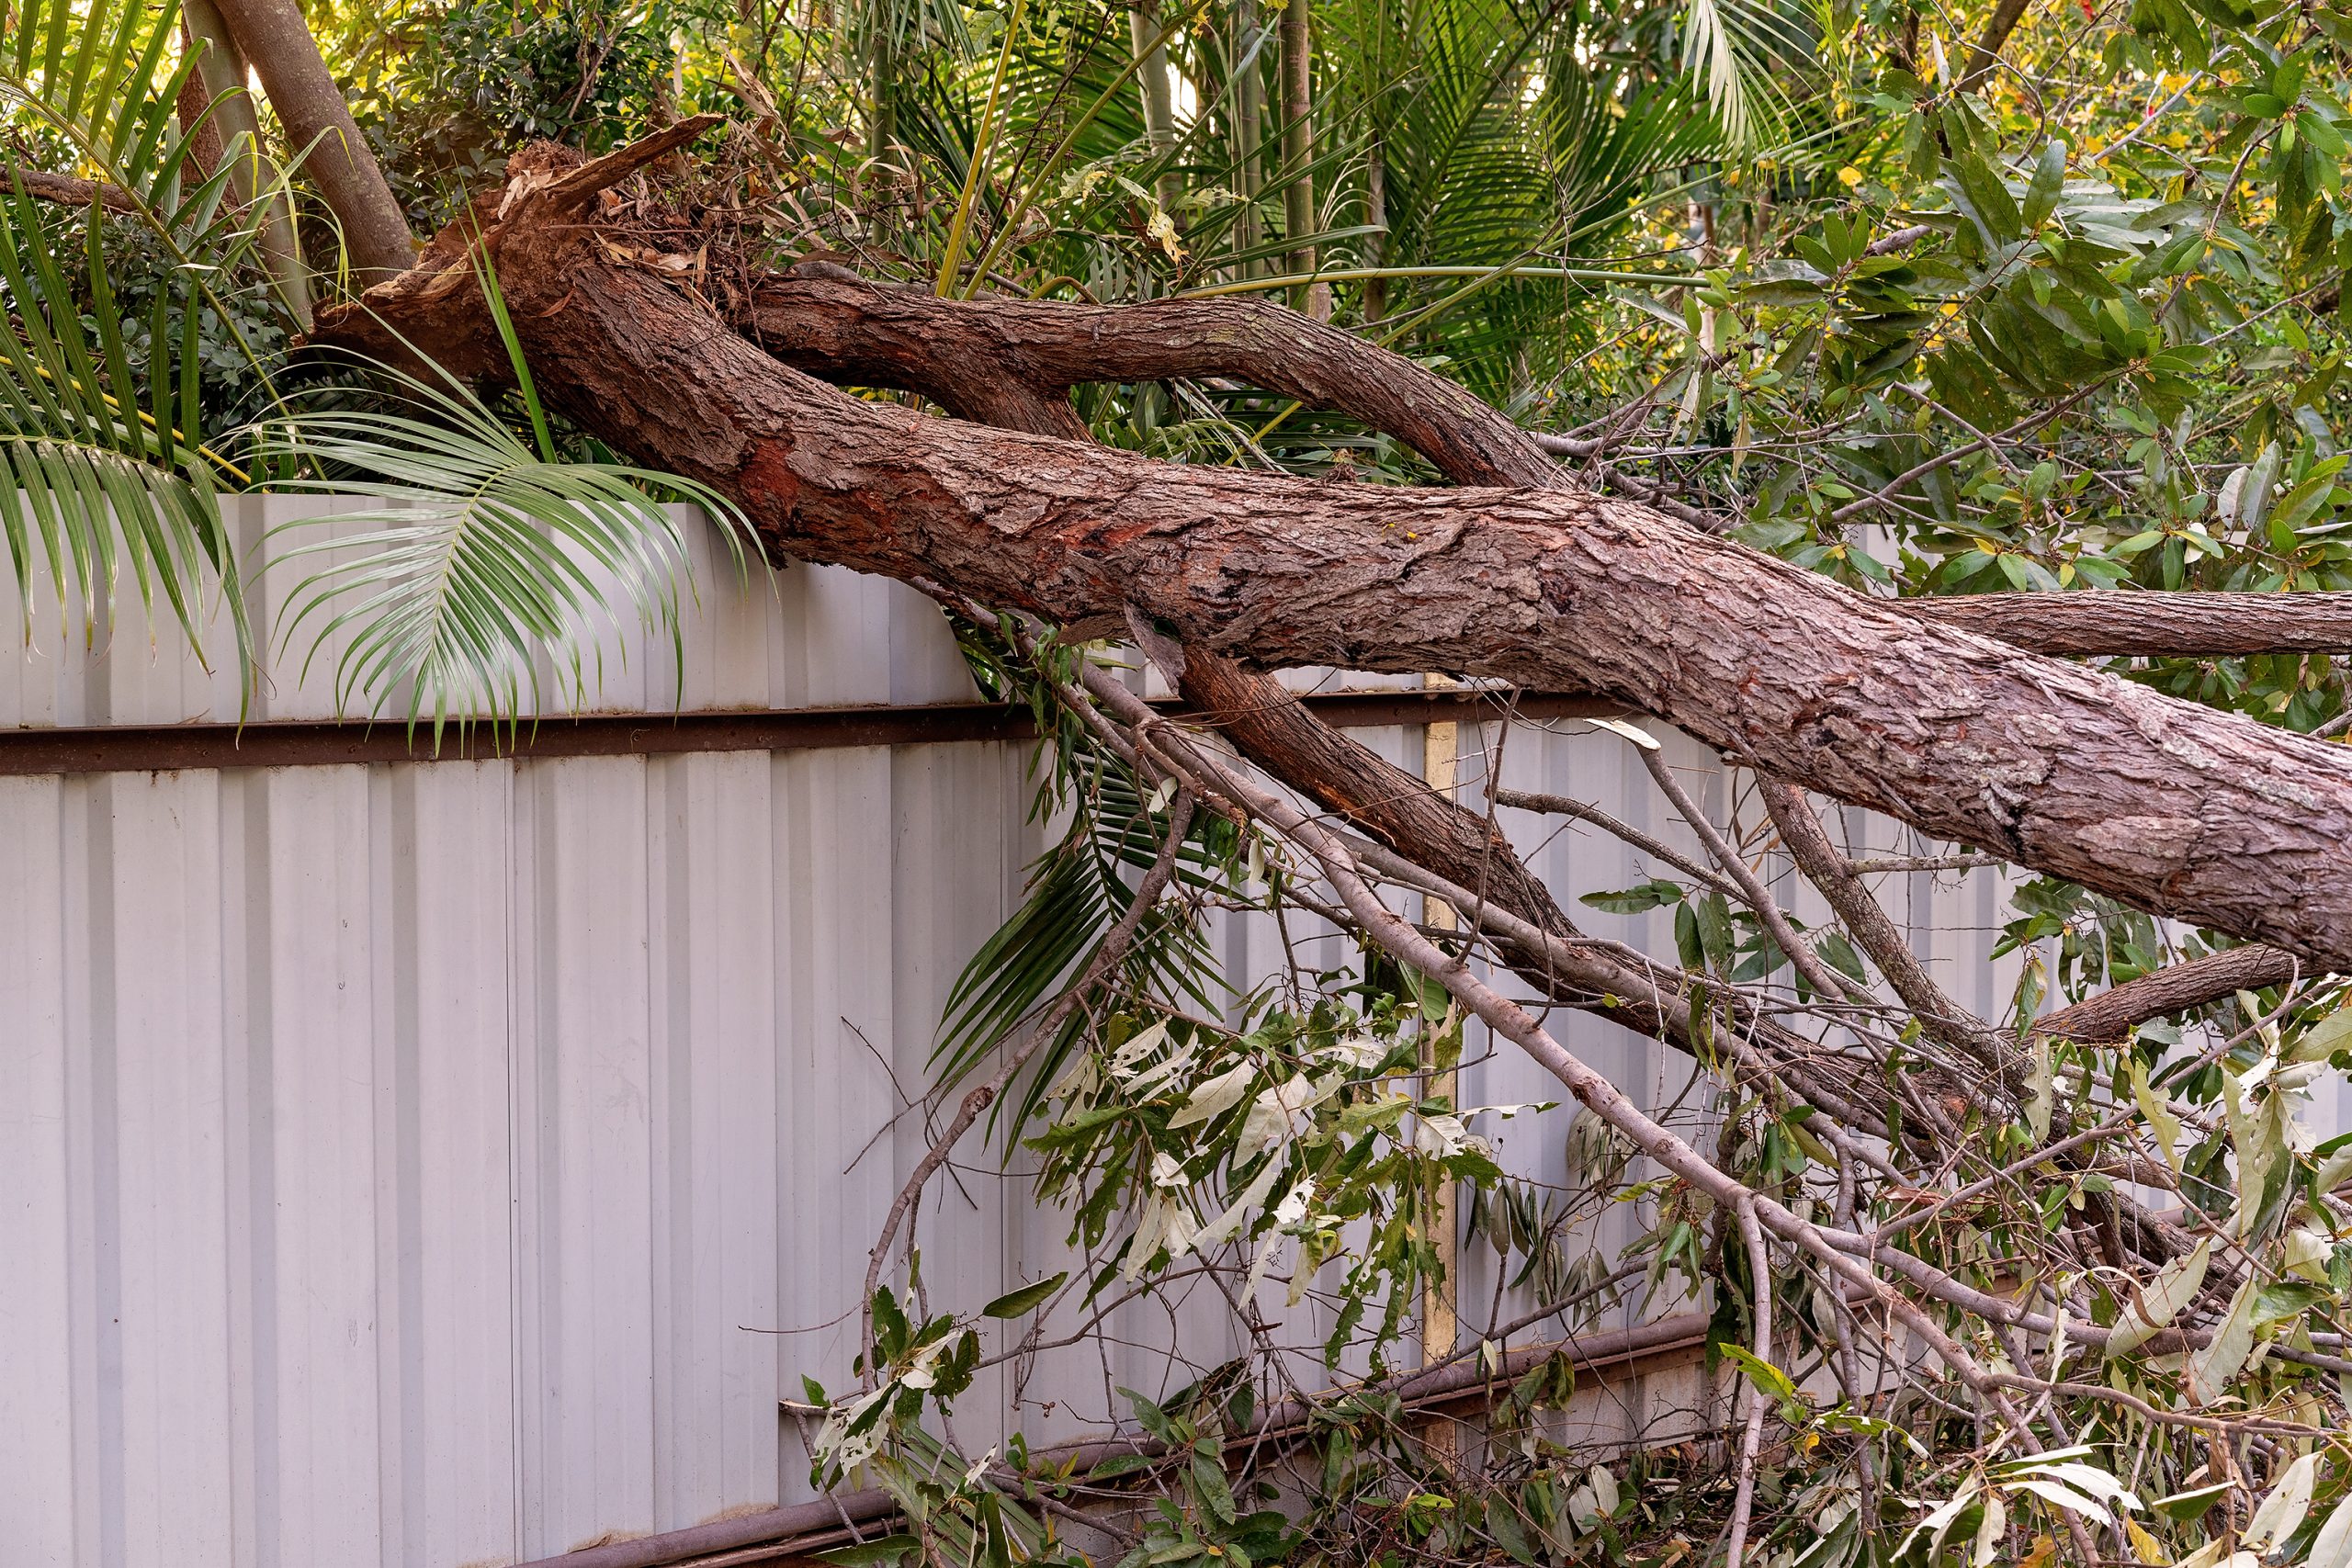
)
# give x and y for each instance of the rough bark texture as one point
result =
(2168, 806)
(2177, 987)
(1265, 721)
(977, 357)
(1014, 370)
(193, 105)
(221, 67)
(67, 191)
(278, 44)
(1011, 363)
(2185, 626)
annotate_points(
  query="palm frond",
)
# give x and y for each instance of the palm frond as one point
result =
(1078, 891)
(480, 595)
(100, 81)
(1741, 50)
(92, 481)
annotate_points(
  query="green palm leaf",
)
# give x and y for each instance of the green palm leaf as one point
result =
(1078, 891)
(101, 81)
(481, 597)
(91, 482)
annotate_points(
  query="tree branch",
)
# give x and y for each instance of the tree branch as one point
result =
(2178, 987)
(2151, 624)
(1986, 53)
(2179, 809)
(67, 191)
(1830, 872)
(1108, 955)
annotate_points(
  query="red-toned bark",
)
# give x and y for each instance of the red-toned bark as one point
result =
(2169, 806)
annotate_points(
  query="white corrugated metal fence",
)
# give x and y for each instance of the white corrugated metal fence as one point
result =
(441, 1164)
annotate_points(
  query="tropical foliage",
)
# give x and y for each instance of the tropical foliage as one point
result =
(1933, 301)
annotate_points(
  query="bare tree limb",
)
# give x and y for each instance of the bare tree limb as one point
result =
(1656, 849)
(2178, 987)
(1759, 1269)
(1829, 871)
(1752, 891)
(67, 191)
(2151, 624)
(1986, 53)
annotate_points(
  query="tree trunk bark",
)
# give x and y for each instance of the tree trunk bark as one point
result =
(1297, 77)
(2179, 809)
(237, 131)
(276, 42)
(2155, 625)
(991, 360)
(2194, 982)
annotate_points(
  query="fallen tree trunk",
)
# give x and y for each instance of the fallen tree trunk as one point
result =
(2168, 806)
(1015, 371)
(1011, 363)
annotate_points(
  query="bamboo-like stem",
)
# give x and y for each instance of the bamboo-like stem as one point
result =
(1249, 94)
(1298, 147)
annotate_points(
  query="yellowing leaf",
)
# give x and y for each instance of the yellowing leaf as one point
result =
(2152, 1309)
(2282, 1510)
(1215, 1098)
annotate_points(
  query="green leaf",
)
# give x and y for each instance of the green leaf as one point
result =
(1766, 1377)
(498, 562)
(2331, 1547)
(889, 1548)
(1985, 201)
(2049, 179)
(1018, 1304)
(2185, 1507)
(1652, 895)
(1209, 1484)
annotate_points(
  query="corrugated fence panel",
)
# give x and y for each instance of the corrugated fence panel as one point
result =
(435, 1164)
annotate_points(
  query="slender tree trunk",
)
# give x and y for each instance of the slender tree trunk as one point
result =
(276, 42)
(202, 130)
(1144, 28)
(1248, 125)
(1376, 216)
(2175, 808)
(220, 70)
(1298, 151)
(881, 82)
(1985, 53)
